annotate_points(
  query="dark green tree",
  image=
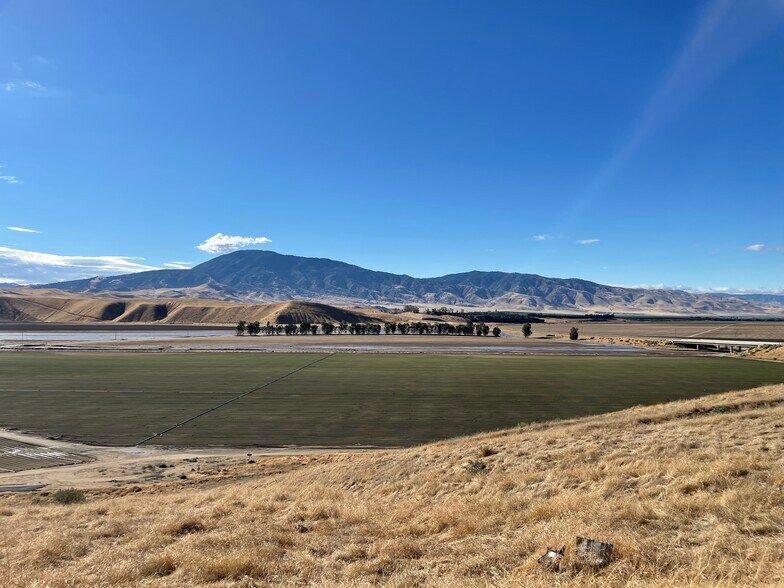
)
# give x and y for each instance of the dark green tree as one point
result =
(574, 334)
(496, 332)
(527, 330)
(241, 328)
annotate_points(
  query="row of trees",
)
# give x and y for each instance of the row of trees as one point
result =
(327, 328)
(421, 328)
(415, 328)
(574, 332)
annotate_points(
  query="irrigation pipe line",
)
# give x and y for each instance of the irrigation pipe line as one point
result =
(243, 395)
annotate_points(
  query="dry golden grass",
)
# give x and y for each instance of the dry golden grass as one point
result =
(637, 342)
(690, 494)
(769, 352)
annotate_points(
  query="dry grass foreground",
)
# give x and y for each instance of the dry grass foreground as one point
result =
(690, 493)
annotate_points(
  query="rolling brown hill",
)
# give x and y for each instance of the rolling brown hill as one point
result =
(689, 493)
(23, 305)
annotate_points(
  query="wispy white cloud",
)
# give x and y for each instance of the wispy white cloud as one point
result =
(541, 237)
(36, 267)
(220, 243)
(178, 265)
(9, 179)
(40, 60)
(13, 280)
(703, 289)
(587, 241)
(21, 85)
(728, 290)
(22, 230)
(761, 247)
(645, 286)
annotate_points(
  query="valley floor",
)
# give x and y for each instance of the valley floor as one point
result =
(689, 493)
(330, 399)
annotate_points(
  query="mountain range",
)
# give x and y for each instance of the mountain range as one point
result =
(265, 276)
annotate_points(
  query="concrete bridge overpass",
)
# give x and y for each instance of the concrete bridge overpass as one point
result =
(726, 345)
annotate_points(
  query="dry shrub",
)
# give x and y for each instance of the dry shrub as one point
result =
(476, 466)
(68, 496)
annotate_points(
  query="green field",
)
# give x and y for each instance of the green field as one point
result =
(341, 399)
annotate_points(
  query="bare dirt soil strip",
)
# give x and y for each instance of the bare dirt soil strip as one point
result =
(131, 466)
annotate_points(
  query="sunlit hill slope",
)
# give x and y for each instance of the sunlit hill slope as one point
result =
(689, 493)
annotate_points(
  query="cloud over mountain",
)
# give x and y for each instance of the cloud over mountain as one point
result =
(220, 243)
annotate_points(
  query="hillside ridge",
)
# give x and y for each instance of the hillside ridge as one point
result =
(266, 276)
(63, 307)
(672, 486)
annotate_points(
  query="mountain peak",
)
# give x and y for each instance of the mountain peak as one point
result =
(261, 274)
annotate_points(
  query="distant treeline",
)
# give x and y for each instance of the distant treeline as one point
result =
(493, 316)
(327, 328)
(718, 319)
(499, 316)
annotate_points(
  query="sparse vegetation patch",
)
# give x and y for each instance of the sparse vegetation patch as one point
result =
(68, 496)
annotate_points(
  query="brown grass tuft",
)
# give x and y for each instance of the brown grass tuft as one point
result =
(159, 565)
(255, 563)
(185, 527)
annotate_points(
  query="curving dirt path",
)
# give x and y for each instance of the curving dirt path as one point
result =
(134, 466)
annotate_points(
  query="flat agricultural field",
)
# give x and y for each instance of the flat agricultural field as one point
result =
(760, 330)
(17, 455)
(335, 399)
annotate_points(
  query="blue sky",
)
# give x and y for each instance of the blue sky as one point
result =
(626, 142)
